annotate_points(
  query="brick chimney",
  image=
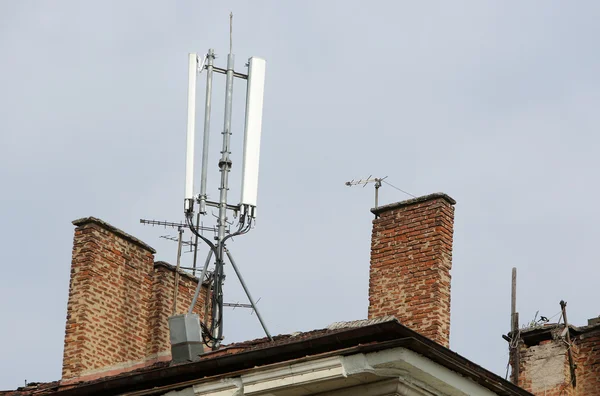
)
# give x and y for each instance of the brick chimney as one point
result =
(119, 302)
(411, 258)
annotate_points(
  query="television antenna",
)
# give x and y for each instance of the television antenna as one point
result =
(364, 182)
(188, 244)
(245, 210)
(180, 225)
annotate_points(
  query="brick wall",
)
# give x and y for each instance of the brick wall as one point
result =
(411, 259)
(118, 305)
(162, 304)
(588, 361)
(544, 366)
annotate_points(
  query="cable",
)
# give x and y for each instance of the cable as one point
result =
(399, 189)
(215, 332)
(190, 223)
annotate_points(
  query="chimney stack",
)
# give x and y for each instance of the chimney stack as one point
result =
(411, 259)
(119, 303)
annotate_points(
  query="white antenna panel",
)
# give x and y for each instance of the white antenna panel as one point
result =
(191, 127)
(252, 130)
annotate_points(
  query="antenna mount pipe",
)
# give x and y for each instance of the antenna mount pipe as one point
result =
(207, 108)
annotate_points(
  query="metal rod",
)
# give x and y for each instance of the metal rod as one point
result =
(224, 169)
(175, 289)
(235, 74)
(225, 162)
(200, 281)
(513, 299)
(563, 306)
(207, 107)
(239, 275)
(188, 268)
(196, 246)
(238, 305)
(377, 185)
(217, 204)
(517, 352)
(176, 239)
(514, 326)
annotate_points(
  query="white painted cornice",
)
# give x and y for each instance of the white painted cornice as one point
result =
(397, 371)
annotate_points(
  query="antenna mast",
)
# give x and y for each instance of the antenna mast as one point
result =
(247, 206)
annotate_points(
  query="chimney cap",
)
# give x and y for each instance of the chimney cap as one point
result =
(413, 201)
(86, 220)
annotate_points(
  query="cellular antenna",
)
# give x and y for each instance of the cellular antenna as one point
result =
(245, 210)
(191, 131)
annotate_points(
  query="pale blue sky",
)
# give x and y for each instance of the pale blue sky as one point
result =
(494, 103)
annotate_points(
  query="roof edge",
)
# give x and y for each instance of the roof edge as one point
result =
(368, 338)
(413, 201)
(109, 227)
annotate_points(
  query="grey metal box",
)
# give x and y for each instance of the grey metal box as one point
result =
(186, 337)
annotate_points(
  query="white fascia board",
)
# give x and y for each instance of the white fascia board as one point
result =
(414, 375)
(223, 387)
(293, 375)
(418, 369)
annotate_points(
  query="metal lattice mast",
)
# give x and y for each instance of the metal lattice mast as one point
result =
(246, 207)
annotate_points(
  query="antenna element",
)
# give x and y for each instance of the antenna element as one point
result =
(191, 131)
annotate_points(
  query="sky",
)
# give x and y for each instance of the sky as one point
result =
(493, 103)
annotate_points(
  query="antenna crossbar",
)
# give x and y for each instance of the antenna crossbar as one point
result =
(175, 239)
(364, 182)
(237, 305)
(174, 224)
(235, 74)
(235, 208)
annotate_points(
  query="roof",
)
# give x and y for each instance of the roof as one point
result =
(343, 338)
(537, 334)
(34, 388)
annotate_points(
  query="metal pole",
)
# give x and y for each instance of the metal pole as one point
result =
(377, 185)
(196, 246)
(517, 352)
(225, 162)
(513, 300)
(209, 71)
(200, 281)
(224, 168)
(563, 306)
(177, 271)
(239, 275)
(514, 326)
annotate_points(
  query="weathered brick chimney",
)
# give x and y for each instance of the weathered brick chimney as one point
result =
(411, 258)
(119, 303)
